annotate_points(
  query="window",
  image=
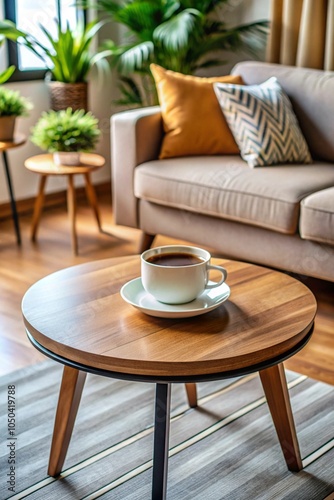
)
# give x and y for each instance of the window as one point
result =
(29, 15)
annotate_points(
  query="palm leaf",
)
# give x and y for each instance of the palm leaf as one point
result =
(135, 56)
(232, 39)
(171, 7)
(100, 56)
(140, 17)
(175, 33)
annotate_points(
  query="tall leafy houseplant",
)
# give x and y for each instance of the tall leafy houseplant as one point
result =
(181, 35)
(67, 56)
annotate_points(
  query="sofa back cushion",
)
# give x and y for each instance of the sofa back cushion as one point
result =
(311, 92)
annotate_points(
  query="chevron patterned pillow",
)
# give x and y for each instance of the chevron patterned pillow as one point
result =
(263, 123)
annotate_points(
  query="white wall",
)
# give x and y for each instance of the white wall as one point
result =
(101, 95)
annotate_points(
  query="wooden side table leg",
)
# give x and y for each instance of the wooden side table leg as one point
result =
(91, 196)
(71, 207)
(191, 395)
(38, 207)
(72, 384)
(146, 240)
(276, 391)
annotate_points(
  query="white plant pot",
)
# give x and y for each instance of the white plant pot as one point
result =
(67, 159)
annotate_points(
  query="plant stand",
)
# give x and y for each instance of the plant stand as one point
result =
(44, 165)
(4, 146)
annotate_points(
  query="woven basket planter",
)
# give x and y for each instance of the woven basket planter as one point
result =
(68, 95)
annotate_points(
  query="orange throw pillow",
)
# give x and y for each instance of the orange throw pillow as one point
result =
(193, 121)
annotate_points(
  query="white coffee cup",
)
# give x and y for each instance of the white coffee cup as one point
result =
(176, 274)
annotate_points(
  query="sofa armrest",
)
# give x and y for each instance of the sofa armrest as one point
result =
(135, 138)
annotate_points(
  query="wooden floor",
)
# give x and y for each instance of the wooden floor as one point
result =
(21, 267)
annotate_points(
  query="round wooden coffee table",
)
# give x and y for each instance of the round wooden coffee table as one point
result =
(43, 164)
(77, 317)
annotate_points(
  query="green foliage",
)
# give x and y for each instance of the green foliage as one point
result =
(12, 103)
(68, 58)
(66, 130)
(5, 75)
(181, 35)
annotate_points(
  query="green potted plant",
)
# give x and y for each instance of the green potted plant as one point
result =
(180, 35)
(67, 57)
(66, 134)
(12, 104)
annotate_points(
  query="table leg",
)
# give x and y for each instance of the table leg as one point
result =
(38, 207)
(71, 207)
(70, 392)
(277, 394)
(91, 196)
(191, 395)
(161, 439)
(12, 198)
(146, 241)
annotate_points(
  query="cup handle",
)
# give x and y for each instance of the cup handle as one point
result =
(222, 270)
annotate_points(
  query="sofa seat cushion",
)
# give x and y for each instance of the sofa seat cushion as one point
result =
(317, 217)
(224, 186)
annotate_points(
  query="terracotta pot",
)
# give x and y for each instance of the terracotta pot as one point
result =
(7, 127)
(68, 95)
(66, 159)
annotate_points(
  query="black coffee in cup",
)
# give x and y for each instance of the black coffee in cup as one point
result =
(174, 259)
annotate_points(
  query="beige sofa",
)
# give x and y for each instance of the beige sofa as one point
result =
(280, 216)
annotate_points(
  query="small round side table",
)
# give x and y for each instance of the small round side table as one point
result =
(43, 164)
(18, 140)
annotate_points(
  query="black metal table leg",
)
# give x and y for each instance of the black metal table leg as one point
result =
(161, 439)
(12, 199)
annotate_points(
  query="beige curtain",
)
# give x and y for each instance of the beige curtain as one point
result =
(302, 33)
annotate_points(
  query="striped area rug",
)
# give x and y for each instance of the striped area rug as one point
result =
(225, 449)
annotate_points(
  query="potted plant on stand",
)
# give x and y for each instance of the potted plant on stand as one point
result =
(12, 105)
(67, 57)
(66, 134)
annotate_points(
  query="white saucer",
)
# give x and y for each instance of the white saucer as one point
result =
(134, 293)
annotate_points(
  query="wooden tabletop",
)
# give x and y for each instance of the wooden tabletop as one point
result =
(78, 314)
(43, 164)
(18, 140)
